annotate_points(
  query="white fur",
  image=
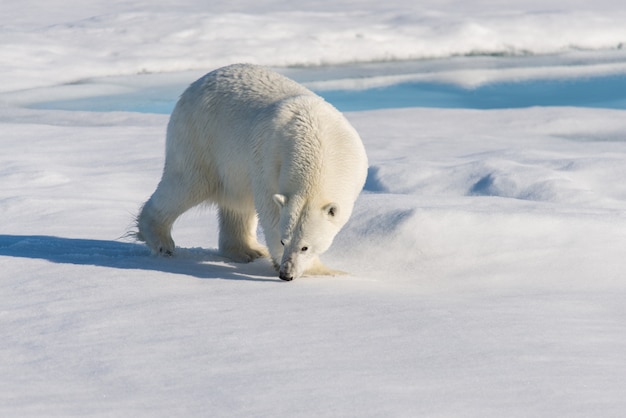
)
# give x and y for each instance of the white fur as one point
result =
(255, 142)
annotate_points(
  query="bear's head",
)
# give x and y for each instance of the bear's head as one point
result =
(307, 229)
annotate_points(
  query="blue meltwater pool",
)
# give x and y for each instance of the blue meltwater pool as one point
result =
(600, 92)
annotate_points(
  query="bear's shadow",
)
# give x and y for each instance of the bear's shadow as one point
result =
(196, 262)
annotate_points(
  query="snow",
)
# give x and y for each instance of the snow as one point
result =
(486, 251)
(122, 38)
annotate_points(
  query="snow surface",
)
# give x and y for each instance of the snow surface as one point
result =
(486, 252)
(74, 41)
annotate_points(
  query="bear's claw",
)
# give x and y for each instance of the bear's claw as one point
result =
(165, 253)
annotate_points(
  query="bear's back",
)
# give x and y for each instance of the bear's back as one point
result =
(245, 84)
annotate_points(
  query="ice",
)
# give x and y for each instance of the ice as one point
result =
(100, 39)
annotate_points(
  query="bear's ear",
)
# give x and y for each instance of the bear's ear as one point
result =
(331, 210)
(280, 199)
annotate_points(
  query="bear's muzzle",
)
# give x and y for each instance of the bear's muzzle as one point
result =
(286, 270)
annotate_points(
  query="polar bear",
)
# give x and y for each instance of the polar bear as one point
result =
(262, 148)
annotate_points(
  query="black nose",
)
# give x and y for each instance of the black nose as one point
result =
(285, 277)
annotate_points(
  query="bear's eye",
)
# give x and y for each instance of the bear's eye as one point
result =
(304, 249)
(282, 242)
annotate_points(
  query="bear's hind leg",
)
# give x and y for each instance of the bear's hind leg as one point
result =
(155, 230)
(171, 198)
(238, 235)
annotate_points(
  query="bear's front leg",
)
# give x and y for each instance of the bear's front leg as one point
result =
(317, 268)
(237, 239)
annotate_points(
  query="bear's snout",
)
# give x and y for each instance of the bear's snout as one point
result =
(286, 271)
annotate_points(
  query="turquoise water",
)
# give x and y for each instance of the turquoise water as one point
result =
(599, 92)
